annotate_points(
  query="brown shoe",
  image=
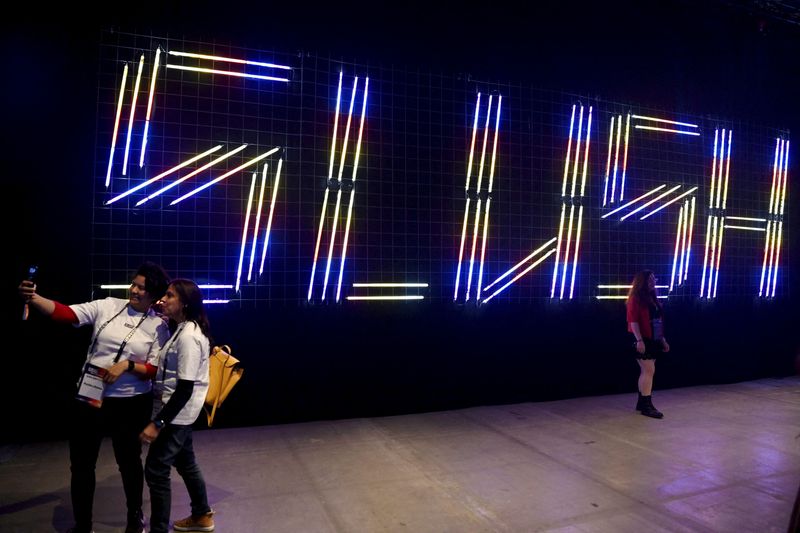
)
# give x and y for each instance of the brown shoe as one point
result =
(203, 522)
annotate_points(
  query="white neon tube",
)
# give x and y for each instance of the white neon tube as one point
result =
(654, 200)
(728, 226)
(719, 254)
(625, 159)
(558, 249)
(780, 222)
(244, 231)
(466, 190)
(748, 218)
(531, 267)
(775, 212)
(705, 257)
(690, 191)
(667, 130)
(616, 161)
(685, 214)
(727, 171)
(771, 199)
(675, 253)
(645, 195)
(191, 174)
(515, 267)
(608, 160)
(623, 297)
(116, 123)
(627, 286)
(712, 259)
(271, 211)
(327, 188)
(149, 106)
(405, 297)
(478, 190)
(689, 243)
(165, 173)
(721, 163)
(215, 301)
(489, 198)
(580, 211)
(133, 114)
(352, 190)
(258, 222)
(228, 60)
(128, 286)
(339, 192)
(569, 152)
(714, 170)
(228, 73)
(227, 174)
(663, 121)
(391, 285)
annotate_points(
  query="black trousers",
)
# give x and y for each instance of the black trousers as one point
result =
(123, 419)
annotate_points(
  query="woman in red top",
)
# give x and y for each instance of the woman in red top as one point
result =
(645, 322)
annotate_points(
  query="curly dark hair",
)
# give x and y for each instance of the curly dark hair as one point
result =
(156, 279)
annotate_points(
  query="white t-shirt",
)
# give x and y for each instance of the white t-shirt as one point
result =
(184, 356)
(142, 347)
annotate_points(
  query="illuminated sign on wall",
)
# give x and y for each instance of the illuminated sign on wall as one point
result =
(436, 184)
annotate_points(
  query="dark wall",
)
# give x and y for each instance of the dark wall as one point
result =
(306, 363)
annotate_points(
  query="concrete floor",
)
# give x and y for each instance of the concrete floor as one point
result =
(725, 458)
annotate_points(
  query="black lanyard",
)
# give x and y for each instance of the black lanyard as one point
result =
(124, 341)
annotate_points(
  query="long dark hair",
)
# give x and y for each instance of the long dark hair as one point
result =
(193, 308)
(640, 292)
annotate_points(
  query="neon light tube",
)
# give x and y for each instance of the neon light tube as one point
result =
(352, 190)
(685, 213)
(271, 211)
(327, 187)
(215, 301)
(663, 121)
(721, 163)
(165, 173)
(406, 297)
(229, 60)
(775, 212)
(608, 160)
(391, 285)
(489, 198)
(227, 174)
(149, 105)
(566, 252)
(748, 218)
(675, 253)
(719, 254)
(714, 170)
(191, 174)
(228, 73)
(623, 297)
(569, 151)
(512, 269)
(690, 191)
(466, 190)
(712, 259)
(244, 231)
(258, 222)
(577, 155)
(705, 257)
(558, 249)
(654, 200)
(116, 123)
(645, 195)
(689, 243)
(771, 199)
(780, 223)
(616, 160)
(653, 128)
(128, 286)
(478, 190)
(531, 267)
(727, 171)
(580, 211)
(339, 192)
(133, 114)
(728, 226)
(627, 286)
(625, 159)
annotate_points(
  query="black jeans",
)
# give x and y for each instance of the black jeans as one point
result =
(173, 447)
(123, 419)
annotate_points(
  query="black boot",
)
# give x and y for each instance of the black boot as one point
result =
(640, 402)
(648, 409)
(135, 522)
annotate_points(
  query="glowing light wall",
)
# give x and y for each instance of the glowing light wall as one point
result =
(294, 179)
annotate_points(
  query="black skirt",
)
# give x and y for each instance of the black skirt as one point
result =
(652, 349)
